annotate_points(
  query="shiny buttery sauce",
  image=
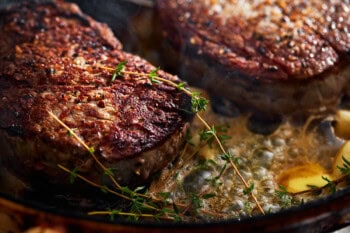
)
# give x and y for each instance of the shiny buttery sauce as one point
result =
(261, 160)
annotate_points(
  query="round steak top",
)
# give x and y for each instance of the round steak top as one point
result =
(53, 58)
(265, 40)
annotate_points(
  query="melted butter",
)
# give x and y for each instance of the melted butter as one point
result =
(261, 161)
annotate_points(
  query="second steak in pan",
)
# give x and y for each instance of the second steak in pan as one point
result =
(274, 57)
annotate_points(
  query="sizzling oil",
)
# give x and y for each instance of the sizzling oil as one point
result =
(261, 159)
(200, 170)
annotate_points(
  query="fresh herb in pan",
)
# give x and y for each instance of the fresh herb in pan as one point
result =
(117, 72)
(345, 169)
(145, 205)
(199, 103)
(284, 197)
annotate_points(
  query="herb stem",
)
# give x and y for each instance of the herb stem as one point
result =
(335, 182)
(86, 147)
(232, 163)
(188, 92)
(153, 75)
(95, 184)
(104, 187)
(129, 214)
(170, 83)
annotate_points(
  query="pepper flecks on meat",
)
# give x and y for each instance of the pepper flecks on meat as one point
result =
(52, 53)
(283, 57)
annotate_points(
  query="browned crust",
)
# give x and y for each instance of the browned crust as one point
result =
(276, 40)
(275, 57)
(50, 60)
(329, 19)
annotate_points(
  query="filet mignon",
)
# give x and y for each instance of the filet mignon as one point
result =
(274, 57)
(51, 56)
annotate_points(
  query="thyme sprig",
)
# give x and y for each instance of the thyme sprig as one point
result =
(90, 149)
(157, 207)
(146, 205)
(231, 162)
(117, 71)
(102, 187)
(345, 169)
(331, 184)
(249, 190)
(284, 196)
(113, 213)
(199, 104)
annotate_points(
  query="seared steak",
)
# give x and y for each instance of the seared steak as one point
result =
(275, 57)
(51, 59)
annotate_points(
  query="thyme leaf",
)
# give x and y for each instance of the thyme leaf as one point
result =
(223, 127)
(165, 196)
(346, 166)
(284, 198)
(177, 216)
(330, 184)
(208, 195)
(248, 190)
(104, 189)
(312, 186)
(224, 138)
(197, 203)
(73, 175)
(154, 80)
(208, 135)
(176, 209)
(71, 132)
(221, 171)
(281, 192)
(92, 150)
(118, 70)
(109, 172)
(126, 190)
(227, 157)
(153, 74)
(247, 206)
(138, 205)
(113, 213)
(181, 86)
(198, 102)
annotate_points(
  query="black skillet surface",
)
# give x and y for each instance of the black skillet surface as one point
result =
(135, 26)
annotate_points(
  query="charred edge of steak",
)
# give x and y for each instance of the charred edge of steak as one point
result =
(277, 62)
(274, 98)
(254, 43)
(28, 158)
(135, 127)
(119, 121)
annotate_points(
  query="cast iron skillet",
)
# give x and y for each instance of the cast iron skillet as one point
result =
(322, 215)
